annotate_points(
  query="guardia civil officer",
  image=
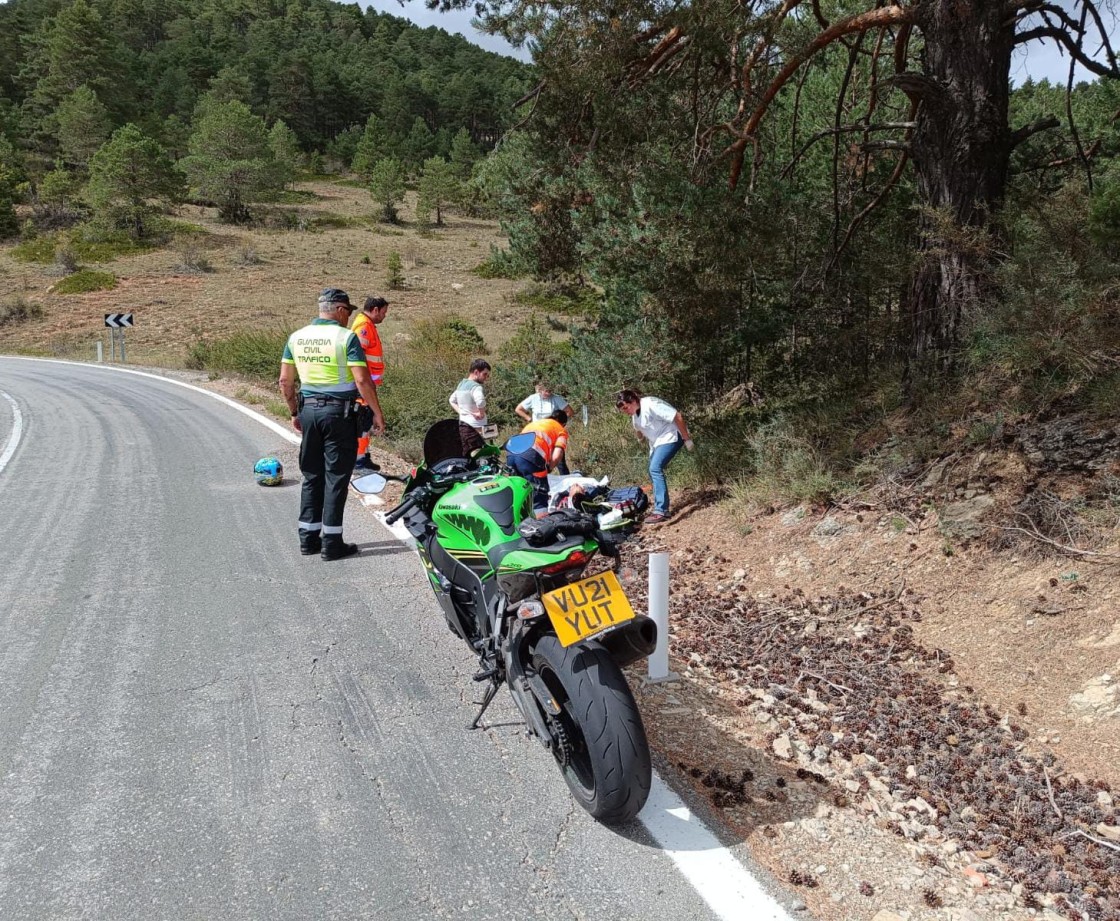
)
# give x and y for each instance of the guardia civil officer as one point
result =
(331, 366)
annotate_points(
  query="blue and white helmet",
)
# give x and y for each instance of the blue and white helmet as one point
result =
(269, 471)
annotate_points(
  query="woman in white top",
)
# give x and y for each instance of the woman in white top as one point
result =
(541, 405)
(666, 431)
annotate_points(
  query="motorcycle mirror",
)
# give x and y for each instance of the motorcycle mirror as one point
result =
(519, 444)
(370, 484)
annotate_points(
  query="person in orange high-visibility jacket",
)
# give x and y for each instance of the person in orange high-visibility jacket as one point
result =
(549, 443)
(373, 311)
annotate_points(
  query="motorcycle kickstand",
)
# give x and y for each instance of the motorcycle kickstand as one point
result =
(488, 698)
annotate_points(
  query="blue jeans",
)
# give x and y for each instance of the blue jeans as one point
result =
(529, 465)
(658, 461)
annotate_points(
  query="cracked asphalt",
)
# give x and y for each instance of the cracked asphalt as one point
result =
(199, 723)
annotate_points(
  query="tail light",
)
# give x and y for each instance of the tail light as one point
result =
(576, 559)
(530, 610)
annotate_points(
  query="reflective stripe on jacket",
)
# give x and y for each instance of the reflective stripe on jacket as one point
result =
(548, 435)
(366, 331)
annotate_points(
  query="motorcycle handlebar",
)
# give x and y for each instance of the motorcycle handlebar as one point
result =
(397, 513)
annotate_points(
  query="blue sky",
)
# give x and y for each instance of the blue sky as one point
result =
(1038, 60)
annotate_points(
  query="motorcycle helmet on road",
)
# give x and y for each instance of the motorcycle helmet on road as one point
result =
(269, 471)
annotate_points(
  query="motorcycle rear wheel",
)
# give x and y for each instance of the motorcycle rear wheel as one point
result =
(600, 744)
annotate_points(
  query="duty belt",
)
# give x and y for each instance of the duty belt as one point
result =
(319, 399)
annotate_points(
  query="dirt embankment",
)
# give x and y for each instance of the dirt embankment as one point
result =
(910, 706)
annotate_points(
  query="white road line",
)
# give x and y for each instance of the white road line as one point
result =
(730, 890)
(17, 432)
(278, 429)
(714, 872)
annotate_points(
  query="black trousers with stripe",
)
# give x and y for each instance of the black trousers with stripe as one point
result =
(326, 459)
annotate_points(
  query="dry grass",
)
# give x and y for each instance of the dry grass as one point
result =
(173, 309)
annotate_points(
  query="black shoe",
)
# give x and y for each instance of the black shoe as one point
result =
(334, 548)
(310, 542)
(365, 464)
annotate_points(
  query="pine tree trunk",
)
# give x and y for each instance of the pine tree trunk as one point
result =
(961, 149)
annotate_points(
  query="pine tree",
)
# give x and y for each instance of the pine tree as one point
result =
(82, 125)
(394, 274)
(9, 223)
(58, 189)
(11, 161)
(438, 187)
(230, 84)
(419, 144)
(464, 155)
(386, 187)
(126, 175)
(286, 151)
(230, 160)
(369, 149)
(72, 49)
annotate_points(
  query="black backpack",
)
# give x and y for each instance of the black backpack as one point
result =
(557, 526)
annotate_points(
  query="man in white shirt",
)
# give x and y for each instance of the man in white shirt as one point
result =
(666, 431)
(469, 400)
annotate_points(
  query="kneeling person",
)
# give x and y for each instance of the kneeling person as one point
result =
(549, 443)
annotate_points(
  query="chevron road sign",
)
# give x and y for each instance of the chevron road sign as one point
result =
(118, 320)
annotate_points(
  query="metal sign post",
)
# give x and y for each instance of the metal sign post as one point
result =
(117, 323)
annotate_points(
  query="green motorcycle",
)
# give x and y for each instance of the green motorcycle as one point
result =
(514, 589)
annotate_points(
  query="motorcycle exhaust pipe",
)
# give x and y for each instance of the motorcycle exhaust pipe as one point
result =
(636, 639)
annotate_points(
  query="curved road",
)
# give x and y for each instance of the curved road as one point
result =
(199, 723)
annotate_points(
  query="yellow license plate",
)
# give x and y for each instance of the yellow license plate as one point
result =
(587, 607)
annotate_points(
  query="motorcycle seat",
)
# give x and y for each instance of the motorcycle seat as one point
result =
(500, 552)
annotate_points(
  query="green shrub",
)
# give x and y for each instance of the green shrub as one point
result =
(1052, 333)
(89, 243)
(85, 281)
(573, 300)
(394, 274)
(439, 338)
(329, 221)
(500, 264)
(17, 309)
(786, 467)
(293, 196)
(38, 249)
(252, 354)
(170, 228)
(93, 244)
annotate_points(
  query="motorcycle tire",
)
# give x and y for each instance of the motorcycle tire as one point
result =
(600, 742)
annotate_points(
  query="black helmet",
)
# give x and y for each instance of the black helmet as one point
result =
(330, 296)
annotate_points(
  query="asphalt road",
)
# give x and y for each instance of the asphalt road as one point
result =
(198, 723)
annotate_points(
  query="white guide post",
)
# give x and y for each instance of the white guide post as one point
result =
(100, 351)
(659, 613)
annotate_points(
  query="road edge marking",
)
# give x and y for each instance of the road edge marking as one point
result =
(17, 431)
(731, 890)
(276, 427)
